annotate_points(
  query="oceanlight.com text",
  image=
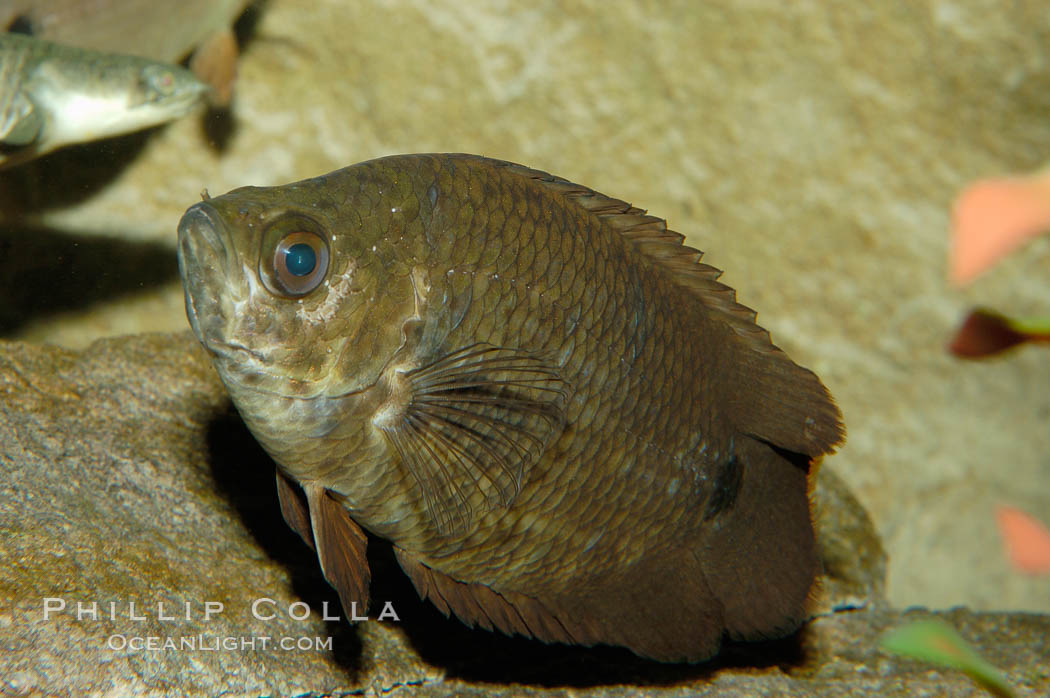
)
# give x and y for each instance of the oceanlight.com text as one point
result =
(208, 643)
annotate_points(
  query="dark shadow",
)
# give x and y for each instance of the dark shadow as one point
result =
(219, 124)
(67, 176)
(46, 271)
(246, 26)
(22, 24)
(246, 476)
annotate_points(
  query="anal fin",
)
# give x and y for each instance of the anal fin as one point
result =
(661, 607)
(341, 547)
(478, 605)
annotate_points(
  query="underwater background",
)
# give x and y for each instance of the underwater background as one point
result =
(811, 149)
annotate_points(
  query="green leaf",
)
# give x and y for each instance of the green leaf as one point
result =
(1035, 326)
(937, 642)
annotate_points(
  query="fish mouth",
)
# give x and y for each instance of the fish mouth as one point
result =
(189, 96)
(161, 93)
(216, 291)
(202, 256)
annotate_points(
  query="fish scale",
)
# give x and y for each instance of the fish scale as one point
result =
(563, 423)
(605, 319)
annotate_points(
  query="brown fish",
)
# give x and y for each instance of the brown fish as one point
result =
(566, 426)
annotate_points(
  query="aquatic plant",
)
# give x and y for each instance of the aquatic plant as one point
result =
(1027, 541)
(992, 218)
(937, 642)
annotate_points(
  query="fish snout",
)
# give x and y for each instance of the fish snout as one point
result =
(202, 258)
(201, 221)
(169, 89)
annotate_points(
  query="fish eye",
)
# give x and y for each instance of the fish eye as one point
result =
(159, 80)
(300, 259)
(299, 263)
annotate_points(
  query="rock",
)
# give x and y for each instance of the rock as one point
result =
(110, 495)
(128, 480)
(850, 548)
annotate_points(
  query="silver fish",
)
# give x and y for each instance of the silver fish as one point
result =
(161, 31)
(53, 95)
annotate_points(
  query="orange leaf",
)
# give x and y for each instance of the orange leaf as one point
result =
(992, 218)
(1027, 540)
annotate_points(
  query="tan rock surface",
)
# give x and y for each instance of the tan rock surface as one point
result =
(812, 149)
(127, 480)
(109, 497)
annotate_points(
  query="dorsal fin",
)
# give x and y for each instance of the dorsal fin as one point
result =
(795, 410)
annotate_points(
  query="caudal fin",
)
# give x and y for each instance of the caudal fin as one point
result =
(758, 550)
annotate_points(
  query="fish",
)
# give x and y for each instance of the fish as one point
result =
(52, 96)
(563, 423)
(160, 31)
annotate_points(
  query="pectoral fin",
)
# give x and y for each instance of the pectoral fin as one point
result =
(20, 120)
(21, 126)
(473, 424)
(215, 63)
